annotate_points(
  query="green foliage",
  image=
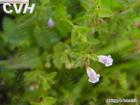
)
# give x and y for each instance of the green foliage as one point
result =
(45, 66)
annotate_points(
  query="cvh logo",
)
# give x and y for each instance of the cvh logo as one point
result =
(17, 6)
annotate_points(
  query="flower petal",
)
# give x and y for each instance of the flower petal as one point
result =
(90, 72)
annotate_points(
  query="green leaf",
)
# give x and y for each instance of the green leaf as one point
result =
(46, 101)
(104, 12)
(112, 4)
(79, 35)
(9, 25)
(93, 57)
(46, 38)
(27, 59)
(88, 4)
(123, 80)
(51, 76)
(14, 36)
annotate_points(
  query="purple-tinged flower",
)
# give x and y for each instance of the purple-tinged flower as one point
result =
(93, 77)
(51, 23)
(106, 60)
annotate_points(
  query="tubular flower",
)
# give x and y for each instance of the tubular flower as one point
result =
(106, 60)
(93, 77)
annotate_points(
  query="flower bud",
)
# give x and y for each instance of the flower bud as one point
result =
(33, 86)
(51, 23)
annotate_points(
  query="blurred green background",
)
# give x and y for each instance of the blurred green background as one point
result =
(43, 65)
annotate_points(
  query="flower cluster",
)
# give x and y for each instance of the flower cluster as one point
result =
(92, 75)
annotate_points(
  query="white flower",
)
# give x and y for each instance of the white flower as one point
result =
(51, 23)
(106, 60)
(93, 77)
